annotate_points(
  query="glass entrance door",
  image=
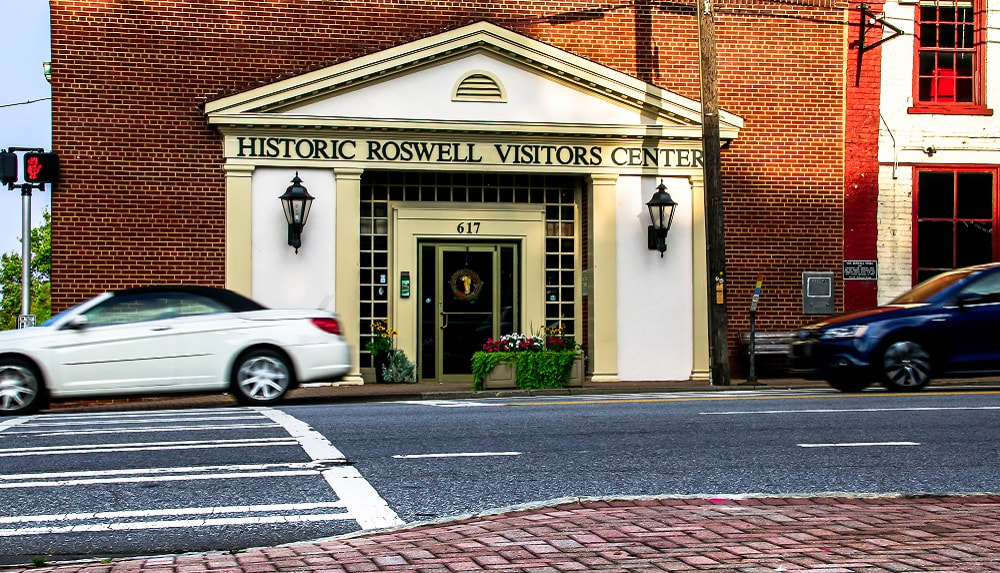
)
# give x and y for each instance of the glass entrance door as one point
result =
(468, 293)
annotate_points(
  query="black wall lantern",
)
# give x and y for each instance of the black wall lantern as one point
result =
(296, 202)
(661, 212)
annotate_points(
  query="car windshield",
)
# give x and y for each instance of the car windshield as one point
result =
(930, 287)
(52, 320)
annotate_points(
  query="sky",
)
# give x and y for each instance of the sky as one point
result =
(25, 44)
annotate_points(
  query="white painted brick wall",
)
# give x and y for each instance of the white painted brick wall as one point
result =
(904, 139)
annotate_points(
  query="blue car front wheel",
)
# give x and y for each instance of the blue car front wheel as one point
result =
(906, 366)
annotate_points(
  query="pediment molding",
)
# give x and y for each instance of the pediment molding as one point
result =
(273, 104)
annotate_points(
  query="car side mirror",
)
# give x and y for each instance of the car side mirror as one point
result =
(78, 322)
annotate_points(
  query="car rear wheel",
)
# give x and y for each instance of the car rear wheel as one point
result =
(20, 387)
(848, 384)
(906, 366)
(261, 377)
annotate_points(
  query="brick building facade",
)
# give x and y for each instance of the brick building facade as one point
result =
(143, 195)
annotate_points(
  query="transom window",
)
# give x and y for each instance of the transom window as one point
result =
(948, 75)
(956, 220)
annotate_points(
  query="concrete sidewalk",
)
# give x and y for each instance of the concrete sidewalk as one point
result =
(830, 534)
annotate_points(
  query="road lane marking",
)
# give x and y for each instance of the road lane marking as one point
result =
(733, 395)
(146, 446)
(146, 430)
(858, 444)
(10, 423)
(264, 508)
(449, 403)
(156, 471)
(176, 524)
(456, 455)
(840, 410)
(163, 478)
(363, 502)
(58, 415)
(42, 422)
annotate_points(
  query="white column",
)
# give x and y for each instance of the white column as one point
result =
(348, 289)
(604, 354)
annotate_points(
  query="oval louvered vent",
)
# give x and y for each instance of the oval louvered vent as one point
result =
(479, 86)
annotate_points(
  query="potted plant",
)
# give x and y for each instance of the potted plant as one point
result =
(379, 345)
(551, 360)
(398, 369)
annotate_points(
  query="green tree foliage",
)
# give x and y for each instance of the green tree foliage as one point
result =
(41, 269)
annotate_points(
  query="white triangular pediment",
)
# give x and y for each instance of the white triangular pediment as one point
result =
(530, 86)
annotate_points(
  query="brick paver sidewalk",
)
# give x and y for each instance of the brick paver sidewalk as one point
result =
(831, 534)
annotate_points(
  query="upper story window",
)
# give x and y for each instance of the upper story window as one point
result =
(949, 57)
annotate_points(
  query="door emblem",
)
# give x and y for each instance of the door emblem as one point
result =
(465, 285)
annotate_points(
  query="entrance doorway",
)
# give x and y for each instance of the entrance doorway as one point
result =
(469, 293)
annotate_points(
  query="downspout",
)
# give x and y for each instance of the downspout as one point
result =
(895, 154)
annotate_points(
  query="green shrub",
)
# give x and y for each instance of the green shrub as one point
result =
(399, 369)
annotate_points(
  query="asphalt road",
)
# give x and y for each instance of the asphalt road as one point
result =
(145, 483)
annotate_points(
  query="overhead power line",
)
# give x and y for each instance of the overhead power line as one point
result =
(24, 102)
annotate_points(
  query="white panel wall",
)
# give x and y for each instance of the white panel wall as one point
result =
(895, 232)
(655, 299)
(426, 94)
(281, 278)
(904, 139)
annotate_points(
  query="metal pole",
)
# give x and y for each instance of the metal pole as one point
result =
(752, 375)
(25, 249)
(715, 226)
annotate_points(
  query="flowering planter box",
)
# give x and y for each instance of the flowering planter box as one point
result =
(503, 375)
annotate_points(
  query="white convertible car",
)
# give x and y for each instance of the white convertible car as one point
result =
(169, 339)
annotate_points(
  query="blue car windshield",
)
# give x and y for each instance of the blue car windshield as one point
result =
(931, 287)
(53, 319)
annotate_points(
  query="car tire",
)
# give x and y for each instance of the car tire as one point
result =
(905, 365)
(848, 384)
(21, 387)
(260, 377)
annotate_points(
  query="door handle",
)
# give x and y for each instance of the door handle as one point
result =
(444, 322)
(161, 328)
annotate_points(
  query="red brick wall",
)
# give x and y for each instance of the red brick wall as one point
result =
(861, 141)
(141, 199)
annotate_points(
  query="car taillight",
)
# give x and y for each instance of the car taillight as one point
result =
(327, 325)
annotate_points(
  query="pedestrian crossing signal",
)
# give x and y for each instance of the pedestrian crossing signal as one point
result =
(8, 167)
(41, 167)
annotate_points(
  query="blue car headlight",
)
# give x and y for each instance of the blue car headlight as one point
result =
(842, 332)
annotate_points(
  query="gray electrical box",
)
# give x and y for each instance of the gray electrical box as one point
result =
(817, 292)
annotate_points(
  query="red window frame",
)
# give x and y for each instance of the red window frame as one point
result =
(954, 219)
(951, 37)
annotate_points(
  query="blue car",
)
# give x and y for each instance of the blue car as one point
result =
(948, 325)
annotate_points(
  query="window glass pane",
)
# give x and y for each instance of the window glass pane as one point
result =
(965, 37)
(965, 14)
(946, 14)
(946, 35)
(975, 195)
(928, 35)
(928, 13)
(963, 89)
(963, 64)
(974, 243)
(924, 89)
(927, 63)
(934, 245)
(936, 190)
(946, 61)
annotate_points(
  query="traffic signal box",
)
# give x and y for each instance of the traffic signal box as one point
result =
(8, 167)
(41, 167)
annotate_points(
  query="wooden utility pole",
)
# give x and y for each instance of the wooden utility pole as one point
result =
(715, 225)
